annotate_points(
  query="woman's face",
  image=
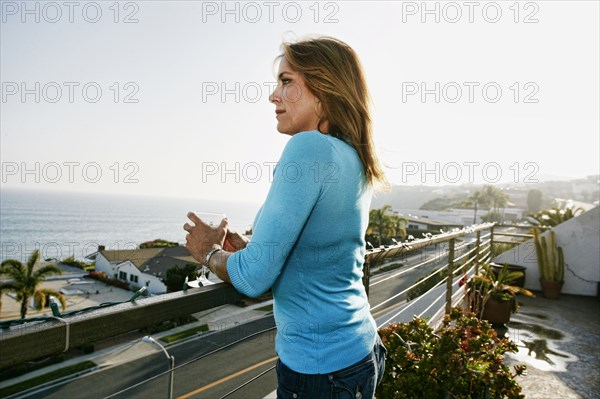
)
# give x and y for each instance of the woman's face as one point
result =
(296, 108)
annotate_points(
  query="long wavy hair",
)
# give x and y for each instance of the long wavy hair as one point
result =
(333, 73)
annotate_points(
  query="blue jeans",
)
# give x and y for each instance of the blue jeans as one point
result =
(354, 382)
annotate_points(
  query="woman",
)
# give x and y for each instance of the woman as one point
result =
(308, 238)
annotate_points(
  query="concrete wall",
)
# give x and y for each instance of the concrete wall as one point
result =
(154, 284)
(103, 265)
(580, 239)
(128, 268)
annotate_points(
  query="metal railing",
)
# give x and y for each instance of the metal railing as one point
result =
(460, 259)
(470, 254)
(23, 342)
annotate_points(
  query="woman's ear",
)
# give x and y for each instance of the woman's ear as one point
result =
(318, 108)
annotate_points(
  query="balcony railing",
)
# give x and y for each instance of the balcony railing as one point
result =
(463, 250)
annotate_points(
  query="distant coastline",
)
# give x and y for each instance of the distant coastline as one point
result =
(61, 224)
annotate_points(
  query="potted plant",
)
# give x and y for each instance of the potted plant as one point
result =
(551, 264)
(492, 295)
(464, 358)
(519, 282)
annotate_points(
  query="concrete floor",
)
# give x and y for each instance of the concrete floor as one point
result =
(559, 341)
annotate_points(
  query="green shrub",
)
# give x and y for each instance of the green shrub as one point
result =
(498, 248)
(71, 261)
(184, 334)
(101, 276)
(426, 286)
(51, 376)
(158, 243)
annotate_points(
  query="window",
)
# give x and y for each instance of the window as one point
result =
(133, 278)
(413, 226)
(122, 276)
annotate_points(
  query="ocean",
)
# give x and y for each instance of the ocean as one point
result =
(63, 224)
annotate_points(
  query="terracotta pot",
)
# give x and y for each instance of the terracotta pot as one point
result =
(497, 312)
(551, 289)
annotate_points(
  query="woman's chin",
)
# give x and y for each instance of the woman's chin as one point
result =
(283, 130)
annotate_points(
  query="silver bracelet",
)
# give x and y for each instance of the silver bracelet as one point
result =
(210, 254)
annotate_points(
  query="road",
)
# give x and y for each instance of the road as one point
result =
(217, 374)
(210, 377)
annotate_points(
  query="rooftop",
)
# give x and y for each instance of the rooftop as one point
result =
(559, 341)
(151, 260)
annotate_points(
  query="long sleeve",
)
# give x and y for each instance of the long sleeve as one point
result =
(294, 192)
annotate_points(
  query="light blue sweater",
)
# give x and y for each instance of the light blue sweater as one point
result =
(308, 246)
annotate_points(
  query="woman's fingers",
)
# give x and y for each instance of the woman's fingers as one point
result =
(228, 246)
(193, 217)
(235, 241)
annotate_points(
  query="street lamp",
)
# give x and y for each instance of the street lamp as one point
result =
(150, 340)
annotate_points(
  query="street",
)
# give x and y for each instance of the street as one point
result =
(195, 376)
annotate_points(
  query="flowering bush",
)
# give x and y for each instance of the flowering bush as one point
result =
(101, 276)
(463, 359)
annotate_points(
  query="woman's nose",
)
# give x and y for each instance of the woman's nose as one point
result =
(274, 96)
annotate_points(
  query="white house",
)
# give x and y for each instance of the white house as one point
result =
(141, 267)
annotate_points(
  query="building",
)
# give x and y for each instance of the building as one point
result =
(461, 217)
(141, 267)
(424, 224)
(455, 217)
(587, 189)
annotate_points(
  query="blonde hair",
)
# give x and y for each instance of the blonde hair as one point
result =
(334, 74)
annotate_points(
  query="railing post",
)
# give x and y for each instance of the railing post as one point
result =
(492, 240)
(478, 248)
(367, 274)
(450, 275)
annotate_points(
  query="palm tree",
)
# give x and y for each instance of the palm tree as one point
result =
(496, 197)
(25, 282)
(3, 287)
(399, 224)
(380, 224)
(476, 200)
(554, 216)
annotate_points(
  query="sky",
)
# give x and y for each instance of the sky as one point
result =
(170, 99)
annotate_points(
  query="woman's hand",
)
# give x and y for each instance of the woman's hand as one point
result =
(201, 237)
(234, 241)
